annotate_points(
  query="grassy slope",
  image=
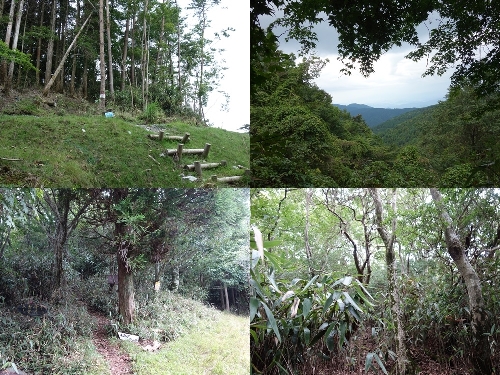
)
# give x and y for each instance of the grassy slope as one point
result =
(55, 151)
(213, 347)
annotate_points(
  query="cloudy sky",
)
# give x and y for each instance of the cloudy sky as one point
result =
(236, 81)
(396, 83)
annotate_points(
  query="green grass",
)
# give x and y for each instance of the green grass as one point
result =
(111, 152)
(213, 347)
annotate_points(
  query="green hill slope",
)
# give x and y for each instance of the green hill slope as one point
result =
(373, 116)
(94, 151)
(404, 129)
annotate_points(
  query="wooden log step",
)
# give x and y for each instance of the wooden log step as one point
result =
(230, 178)
(192, 151)
(192, 167)
(162, 135)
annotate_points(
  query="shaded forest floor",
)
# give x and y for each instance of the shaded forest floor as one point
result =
(72, 144)
(428, 359)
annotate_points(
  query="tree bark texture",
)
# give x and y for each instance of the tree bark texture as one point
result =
(394, 299)
(126, 304)
(481, 356)
(102, 64)
(110, 54)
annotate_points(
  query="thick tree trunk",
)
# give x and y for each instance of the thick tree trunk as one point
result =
(102, 64)
(126, 304)
(394, 298)
(72, 86)
(175, 279)
(308, 199)
(39, 48)
(481, 352)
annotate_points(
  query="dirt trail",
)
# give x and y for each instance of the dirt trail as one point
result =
(118, 361)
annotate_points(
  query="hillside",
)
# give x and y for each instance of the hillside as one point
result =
(404, 129)
(72, 145)
(373, 116)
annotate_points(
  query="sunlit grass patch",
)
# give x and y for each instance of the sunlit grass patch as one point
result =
(217, 347)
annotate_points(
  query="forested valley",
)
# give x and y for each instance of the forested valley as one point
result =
(299, 139)
(122, 281)
(352, 281)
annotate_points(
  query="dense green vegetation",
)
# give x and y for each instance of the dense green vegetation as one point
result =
(348, 281)
(157, 263)
(297, 139)
(406, 128)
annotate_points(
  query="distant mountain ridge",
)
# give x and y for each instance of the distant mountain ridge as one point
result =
(373, 116)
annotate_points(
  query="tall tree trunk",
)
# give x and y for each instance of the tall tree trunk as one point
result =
(309, 193)
(110, 53)
(175, 279)
(85, 76)
(124, 57)
(133, 78)
(50, 47)
(8, 82)
(73, 64)
(63, 60)
(179, 76)
(126, 304)
(144, 62)
(226, 296)
(39, 47)
(481, 352)
(395, 302)
(102, 64)
(8, 36)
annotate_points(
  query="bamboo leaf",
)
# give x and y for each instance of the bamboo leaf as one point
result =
(272, 321)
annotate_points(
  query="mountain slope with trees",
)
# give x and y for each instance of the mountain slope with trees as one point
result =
(373, 116)
(406, 128)
(301, 148)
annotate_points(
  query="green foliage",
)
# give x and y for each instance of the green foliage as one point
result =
(298, 138)
(45, 345)
(165, 316)
(291, 320)
(151, 113)
(15, 56)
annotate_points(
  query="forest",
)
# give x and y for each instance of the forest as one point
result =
(355, 281)
(83, 271)
(299, 139)
(128, 52)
